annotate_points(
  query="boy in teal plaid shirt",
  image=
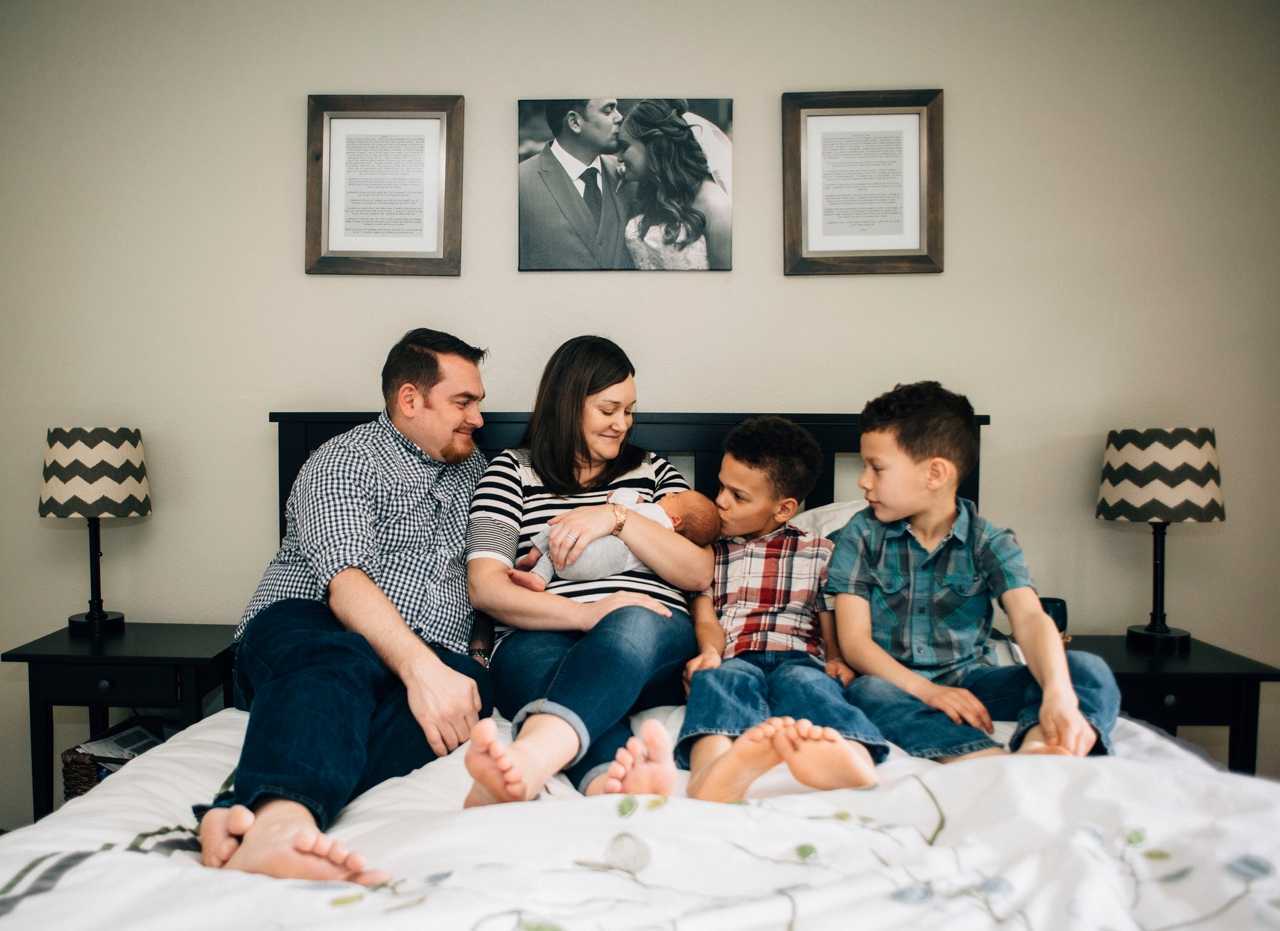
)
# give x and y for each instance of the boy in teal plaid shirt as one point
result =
(914, 575)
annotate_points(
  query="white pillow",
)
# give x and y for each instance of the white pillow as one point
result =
(829, 518)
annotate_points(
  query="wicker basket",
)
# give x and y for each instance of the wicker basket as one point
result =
(80, 773)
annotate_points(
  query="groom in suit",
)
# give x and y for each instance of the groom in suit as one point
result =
(571, 212)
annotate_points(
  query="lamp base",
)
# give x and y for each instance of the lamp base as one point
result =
(1168, 640)
(111, 624)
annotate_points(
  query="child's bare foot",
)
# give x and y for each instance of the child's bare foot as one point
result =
(529, 580)
(644, 766)
(987, 751)
(821, 758)
(220, 833)
(750, 756)
(1040, 748)
(498, 778)
(283, 842)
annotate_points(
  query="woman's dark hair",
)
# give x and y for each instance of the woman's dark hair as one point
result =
(676, 167)
(583, 366)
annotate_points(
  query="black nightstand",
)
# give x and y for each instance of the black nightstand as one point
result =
(148, 666)
(1207, 685)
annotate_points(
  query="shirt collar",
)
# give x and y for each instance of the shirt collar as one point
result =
(574, 167)
(384, 421)
(959, 529)
(771, 535)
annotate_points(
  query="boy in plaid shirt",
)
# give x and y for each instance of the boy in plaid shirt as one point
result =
(759, 693)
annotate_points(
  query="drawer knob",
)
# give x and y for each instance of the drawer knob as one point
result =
(1170, 701)
(104, 685)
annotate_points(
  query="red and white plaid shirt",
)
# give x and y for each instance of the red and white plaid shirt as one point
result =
(768, 591)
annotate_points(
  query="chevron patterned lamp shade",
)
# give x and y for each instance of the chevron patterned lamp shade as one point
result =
(1161, 477)
(95, 473)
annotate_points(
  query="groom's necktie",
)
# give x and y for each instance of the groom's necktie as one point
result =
(591, 193)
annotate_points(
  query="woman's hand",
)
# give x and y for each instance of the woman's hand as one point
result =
(573, 530)
(589, 614)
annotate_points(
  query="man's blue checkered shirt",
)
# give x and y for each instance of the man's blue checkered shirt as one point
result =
(372, 499)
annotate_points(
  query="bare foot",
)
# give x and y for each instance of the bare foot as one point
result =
(1040, 748)
(750, 756)
(220, 833)
(497, 776)
(644, 766)
(821, 758)
(283, 842)
(529, 580)
(987, 751)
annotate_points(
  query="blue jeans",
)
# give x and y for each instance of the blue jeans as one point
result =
(743, 691)
(631, 660)
(328, 720)
(1010, 693)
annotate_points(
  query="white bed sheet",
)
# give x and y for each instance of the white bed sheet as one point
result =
(1154, 838)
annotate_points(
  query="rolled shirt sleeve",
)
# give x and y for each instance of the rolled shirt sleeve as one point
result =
(334, 515)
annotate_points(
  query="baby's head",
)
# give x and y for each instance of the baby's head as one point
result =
(693, 515)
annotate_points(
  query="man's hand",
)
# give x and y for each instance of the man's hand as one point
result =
(589, 614)
(445, 703)
(1064, 726)
(707, 659)
(837, 668)
(960, 705)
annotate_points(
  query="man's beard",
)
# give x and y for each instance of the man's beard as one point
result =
(459, 449)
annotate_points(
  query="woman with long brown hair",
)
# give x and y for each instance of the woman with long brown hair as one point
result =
(571, 663)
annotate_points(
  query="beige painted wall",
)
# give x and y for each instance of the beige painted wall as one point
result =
(1111, 229)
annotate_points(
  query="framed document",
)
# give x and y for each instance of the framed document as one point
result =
(384, 185)
(862, 182)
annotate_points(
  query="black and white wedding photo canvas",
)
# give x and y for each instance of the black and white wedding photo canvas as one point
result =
(626, 183)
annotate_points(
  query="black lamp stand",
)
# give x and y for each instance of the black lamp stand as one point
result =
(1158, 637)
(95, 622)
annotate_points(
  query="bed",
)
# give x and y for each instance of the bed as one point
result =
(1154, 838)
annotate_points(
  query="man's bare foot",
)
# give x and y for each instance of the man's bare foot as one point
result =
(220, 833)
(283, 842)
(529, 580)
(644, 766)
(821, 758)
(1040, 748)
(750, 756)
(497, 776)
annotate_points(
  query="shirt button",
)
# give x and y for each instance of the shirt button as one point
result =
(919, 649)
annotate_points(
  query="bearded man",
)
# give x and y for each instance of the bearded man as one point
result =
(352, 657)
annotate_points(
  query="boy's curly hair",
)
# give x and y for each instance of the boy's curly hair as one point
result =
(786, 452)
(927, 420)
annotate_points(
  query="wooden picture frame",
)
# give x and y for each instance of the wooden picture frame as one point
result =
(400, 204)
(849, 202)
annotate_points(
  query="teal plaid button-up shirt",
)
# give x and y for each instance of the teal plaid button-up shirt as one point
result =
(929, 611)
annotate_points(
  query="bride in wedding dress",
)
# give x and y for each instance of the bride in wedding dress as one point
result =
(682, 212)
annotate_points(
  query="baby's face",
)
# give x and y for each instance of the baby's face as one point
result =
(681, 505)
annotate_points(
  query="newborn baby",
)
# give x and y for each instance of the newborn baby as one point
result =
(688, 513)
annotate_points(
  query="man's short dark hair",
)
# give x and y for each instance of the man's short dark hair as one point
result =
(785, 452)
(414, 361)
(927, 420)
(557, 110)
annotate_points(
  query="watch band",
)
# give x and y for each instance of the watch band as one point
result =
(620, 519)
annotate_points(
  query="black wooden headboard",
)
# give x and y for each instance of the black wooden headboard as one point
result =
(700, 434)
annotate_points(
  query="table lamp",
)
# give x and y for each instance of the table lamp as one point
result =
(1161, 477)
(95, 473)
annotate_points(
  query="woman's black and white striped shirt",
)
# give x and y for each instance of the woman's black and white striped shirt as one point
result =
(511, 506)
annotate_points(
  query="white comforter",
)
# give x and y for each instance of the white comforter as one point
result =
(1154, 839)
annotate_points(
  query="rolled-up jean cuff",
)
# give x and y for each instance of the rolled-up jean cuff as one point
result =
(569, 716)
(933, 753)
(684, 745)
(592, 773)
(1103, 741)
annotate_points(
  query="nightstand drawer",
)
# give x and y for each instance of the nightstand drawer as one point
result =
(1203, 700)
(116, 686)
